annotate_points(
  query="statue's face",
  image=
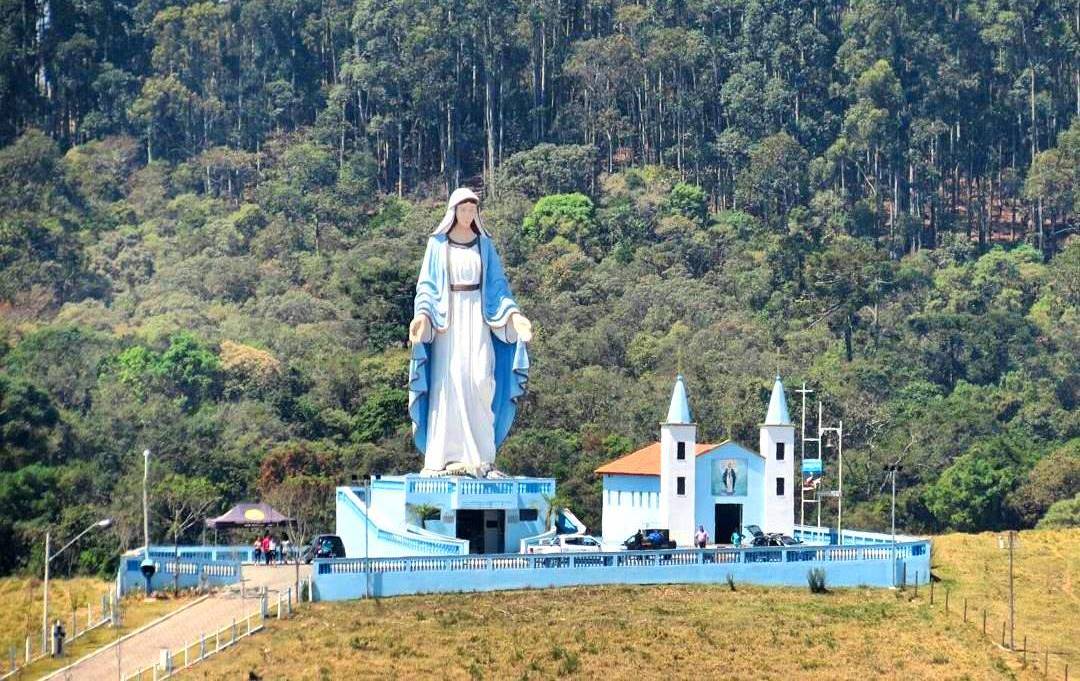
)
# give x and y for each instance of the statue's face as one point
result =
(466, 213)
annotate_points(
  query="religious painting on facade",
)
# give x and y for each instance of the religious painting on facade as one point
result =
(729, 477)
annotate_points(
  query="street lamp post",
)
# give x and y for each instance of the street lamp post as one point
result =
(367, 535)
(147, 566)
(145, 511)
(893, 468)
(103, 523)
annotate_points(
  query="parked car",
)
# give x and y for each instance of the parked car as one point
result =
(649, 540)
(759, 538)
(324, 546)
(566, 543)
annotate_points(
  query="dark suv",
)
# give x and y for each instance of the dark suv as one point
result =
(641, 541)
(324, 546)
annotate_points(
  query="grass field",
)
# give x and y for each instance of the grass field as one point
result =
(1046, 581)
(21, 616)
(676, 631)
(691, 631)
(619, 633)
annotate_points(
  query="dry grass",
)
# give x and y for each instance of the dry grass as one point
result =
(620, 633)
(21, 616)
(1046, 568)
(678, 631)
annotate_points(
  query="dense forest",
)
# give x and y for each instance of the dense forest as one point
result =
(212, 215)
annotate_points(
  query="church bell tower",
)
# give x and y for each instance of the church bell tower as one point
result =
(678, 444)
(777, 446)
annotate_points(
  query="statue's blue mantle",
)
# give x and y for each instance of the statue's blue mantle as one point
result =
(433, 299)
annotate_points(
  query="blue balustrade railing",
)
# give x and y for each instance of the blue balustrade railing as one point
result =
(868, 564)
(185, 572)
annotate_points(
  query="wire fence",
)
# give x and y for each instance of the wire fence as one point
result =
(25, 653)
(1050, 663)
(191, 652)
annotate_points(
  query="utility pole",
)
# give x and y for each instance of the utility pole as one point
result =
(1012, 600)
(1010, 544)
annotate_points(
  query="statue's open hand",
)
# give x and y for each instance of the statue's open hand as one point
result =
(418, 328)
(522, 326)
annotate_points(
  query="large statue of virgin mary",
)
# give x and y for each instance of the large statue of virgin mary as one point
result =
(469, 363)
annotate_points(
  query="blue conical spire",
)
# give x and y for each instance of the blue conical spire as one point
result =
(778, 413)
(679, 411)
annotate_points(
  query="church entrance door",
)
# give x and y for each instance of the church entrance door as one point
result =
(728, 518)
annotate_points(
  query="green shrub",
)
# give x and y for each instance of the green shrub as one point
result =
(816, 579)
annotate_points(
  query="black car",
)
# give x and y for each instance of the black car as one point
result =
(759, 538)
(324, 546)
(642, 541)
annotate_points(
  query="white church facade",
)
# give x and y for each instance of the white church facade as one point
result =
(678, 483)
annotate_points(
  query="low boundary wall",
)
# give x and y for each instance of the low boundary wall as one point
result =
(874, 564)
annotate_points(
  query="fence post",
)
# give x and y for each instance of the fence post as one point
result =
(13, 662)
(984, 621)
(202, 646)
(186, 646)
(217, 640)
(1002, 633)
(279, 605)
(288, 601)
(931, 592)
(263, 608)
(234, 630)
(27, 650)
(965, 611)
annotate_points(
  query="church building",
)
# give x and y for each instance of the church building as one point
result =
(679, 483)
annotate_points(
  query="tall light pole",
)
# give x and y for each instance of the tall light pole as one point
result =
(103, 523)
(840, 483)
(367, 536)
(147, 566)
(145, 509)
(893, 468)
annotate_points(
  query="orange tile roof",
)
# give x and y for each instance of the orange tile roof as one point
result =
(645, 461)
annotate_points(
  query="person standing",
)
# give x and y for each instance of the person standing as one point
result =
(701, 538)
(266, 548)
(736, 539)
(58, 638)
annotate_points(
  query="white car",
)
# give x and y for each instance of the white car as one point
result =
(567, 543)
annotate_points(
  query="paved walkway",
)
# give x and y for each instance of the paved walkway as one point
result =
(205, 617)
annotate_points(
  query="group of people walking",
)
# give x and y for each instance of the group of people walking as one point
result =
(269, 550)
